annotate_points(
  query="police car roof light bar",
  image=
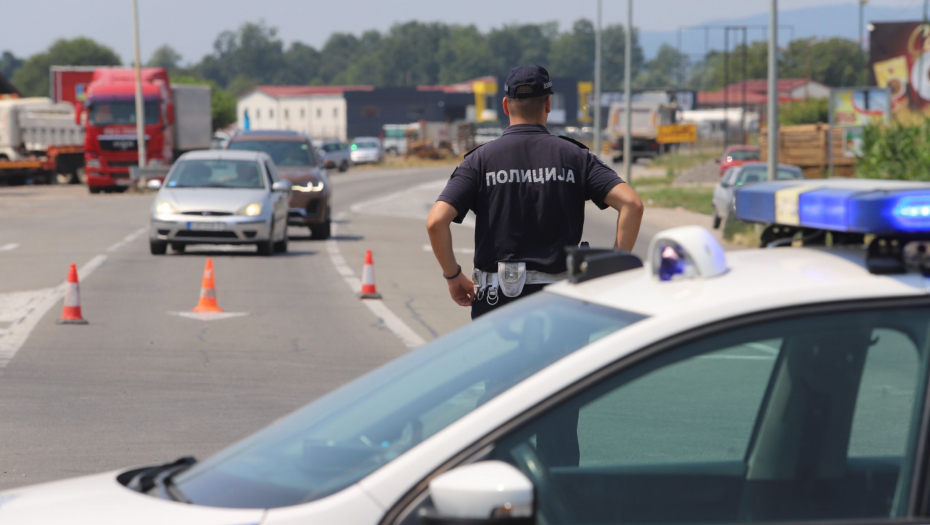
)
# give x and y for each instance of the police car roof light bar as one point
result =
(897, 213)
(852, 206)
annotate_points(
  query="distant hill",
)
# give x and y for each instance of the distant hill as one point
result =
(828, 21)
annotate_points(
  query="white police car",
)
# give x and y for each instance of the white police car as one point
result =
(784, 384)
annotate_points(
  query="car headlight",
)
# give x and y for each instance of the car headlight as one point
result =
(251, 210)
(165, 208)
(311, 186)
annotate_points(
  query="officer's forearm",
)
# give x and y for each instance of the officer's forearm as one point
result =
(628, 227)
(440, 236)
(630, 207)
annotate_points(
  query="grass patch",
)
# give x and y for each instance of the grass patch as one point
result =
(676, 163)
(696, 199)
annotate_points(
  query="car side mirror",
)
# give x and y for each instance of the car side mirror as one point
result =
(483, 492)
(153, 184)
(281, 185)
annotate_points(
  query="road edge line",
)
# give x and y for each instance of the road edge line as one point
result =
(388, 318)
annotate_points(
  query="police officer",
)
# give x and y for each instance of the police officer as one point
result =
(528, 190)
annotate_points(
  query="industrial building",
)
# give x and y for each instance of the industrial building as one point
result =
(344, 112)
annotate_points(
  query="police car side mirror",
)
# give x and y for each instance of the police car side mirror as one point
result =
(483, 492)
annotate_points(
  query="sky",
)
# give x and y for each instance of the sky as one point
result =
(191, 26)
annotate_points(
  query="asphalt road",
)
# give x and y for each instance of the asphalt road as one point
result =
(141, 384)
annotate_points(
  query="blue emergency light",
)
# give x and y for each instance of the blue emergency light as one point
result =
(841, 205)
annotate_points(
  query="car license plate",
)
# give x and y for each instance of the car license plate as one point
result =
(123, 182)
(206, 226)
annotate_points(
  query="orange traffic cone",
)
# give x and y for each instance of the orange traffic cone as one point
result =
(207, 291)
(369, 290)
(72, 310)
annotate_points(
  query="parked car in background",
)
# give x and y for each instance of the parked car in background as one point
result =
(335, 155)
(220, 197)
(296, 160)
(395, 138)
(737, 156)
(725, 193)
(366, 150)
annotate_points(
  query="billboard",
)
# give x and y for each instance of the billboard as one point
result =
(853, 109)
(900, 55)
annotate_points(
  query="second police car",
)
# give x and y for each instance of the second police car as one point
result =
(785, 384)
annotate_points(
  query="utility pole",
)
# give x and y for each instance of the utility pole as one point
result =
(140, 105)
(597, 82)
(773, 91)
(862, 79)
(726, 87)
(628, 95)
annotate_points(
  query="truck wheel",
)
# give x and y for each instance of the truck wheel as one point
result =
(62, 178)
(93, 189)
(158, 248)
(321, 232)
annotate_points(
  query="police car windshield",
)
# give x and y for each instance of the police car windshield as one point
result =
(339, 439)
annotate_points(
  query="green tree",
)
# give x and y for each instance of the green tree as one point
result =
(663, 71)
(464, 55)
(166, 57)
(32, 78)
(832, 62)
(573, 52)
(301, 63)
(251, 52)
(9, 63)
(517, 45)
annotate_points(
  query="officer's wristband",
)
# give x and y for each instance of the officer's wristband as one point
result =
(453, 276)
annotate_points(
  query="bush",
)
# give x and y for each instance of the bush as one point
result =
(811, 111)
(898, 151)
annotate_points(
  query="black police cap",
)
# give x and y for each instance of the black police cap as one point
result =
(536, 77)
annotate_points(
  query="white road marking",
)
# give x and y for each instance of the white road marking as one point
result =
(467, 251)
(209, 316)
(9, 247)
(25, 309)
(127, 239)
(410, 203)
(390, 320)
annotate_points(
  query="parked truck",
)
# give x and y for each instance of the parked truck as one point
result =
(177, 119)
(647, 116)
(39, 142)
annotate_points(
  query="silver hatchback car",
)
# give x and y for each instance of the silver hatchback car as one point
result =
(220, 197)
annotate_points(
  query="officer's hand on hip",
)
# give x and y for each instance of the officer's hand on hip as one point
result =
(462, 290)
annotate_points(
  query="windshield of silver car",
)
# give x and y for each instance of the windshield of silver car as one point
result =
(209, 173)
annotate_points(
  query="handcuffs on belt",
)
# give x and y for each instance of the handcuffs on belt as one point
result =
(510, 279)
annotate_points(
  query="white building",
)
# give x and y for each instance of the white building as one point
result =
(319, 111)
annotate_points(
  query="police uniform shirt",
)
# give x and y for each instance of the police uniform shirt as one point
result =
(528, 190)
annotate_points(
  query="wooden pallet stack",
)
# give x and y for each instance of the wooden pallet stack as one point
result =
(805, 146)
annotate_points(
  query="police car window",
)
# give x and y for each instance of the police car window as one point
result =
(885, 400)
(803, 419)
(341, 438)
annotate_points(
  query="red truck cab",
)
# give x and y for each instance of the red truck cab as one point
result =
(110, 138)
